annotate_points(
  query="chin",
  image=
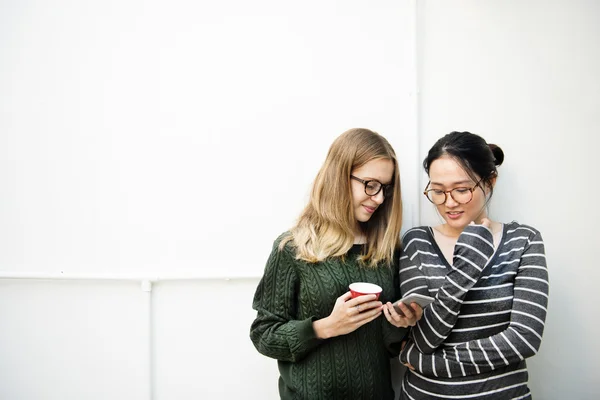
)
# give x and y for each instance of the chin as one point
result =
(363, 218)
(456, 224)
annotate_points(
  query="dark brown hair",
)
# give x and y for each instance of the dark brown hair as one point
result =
(478, 158)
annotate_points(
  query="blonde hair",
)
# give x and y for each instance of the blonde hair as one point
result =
(326, 227)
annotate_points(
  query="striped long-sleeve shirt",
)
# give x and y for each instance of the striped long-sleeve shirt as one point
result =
(487, 317)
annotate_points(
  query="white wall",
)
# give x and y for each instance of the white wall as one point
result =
(73, 340)
(135, 131)
(202, 345)
(157, 139)
(107, 112)
(524, 74)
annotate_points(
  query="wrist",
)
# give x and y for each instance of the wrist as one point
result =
(322, 329)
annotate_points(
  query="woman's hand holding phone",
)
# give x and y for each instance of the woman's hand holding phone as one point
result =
(409, 317)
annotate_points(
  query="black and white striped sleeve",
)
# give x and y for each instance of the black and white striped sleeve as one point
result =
(521, 339)
(472, 252)
(412, 279)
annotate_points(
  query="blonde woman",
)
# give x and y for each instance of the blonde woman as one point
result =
(329, 345)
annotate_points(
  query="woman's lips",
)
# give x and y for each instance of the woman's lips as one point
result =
(454, 214)
(370, 210)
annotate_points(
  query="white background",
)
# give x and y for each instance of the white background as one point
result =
(178, 139)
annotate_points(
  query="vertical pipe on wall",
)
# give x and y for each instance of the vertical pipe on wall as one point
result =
(147, 289)
(416, 100)
(413, 198)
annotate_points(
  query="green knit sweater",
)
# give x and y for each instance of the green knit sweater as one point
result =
(291, 295)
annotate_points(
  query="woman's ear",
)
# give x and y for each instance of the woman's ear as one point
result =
(492, 182)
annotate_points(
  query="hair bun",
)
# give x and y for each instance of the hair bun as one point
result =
(498, 154)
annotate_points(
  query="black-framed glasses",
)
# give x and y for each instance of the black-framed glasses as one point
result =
(461, 195)
(373, 187)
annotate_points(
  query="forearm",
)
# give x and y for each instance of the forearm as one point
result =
(393, 337)
(322, 328)
(277, 332)
(472, 253)
(521, 337)
(284, 340)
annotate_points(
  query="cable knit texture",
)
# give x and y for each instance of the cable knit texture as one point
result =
(291, 295)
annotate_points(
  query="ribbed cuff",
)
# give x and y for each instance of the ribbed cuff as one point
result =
(306, 337)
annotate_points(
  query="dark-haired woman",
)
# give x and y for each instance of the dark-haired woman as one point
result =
(489, 281)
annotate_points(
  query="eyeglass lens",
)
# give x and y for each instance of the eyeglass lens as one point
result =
(460, 195)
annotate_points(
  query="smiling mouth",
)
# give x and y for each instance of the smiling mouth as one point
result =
(454, 214)
(370, 210)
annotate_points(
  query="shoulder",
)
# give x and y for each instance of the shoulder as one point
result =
(516, 229)
(416, 237)
(419, 232)
(282, 259)
(284, 244)
(284, 236)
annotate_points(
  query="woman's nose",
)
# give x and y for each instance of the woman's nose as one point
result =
(379, 197)
(450, 202)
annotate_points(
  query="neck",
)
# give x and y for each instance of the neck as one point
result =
(359, 236)
(449, 231)
(446, 230)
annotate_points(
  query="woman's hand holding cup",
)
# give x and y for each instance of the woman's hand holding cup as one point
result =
(351, 311)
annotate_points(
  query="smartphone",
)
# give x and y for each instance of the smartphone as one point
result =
(421, 300)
